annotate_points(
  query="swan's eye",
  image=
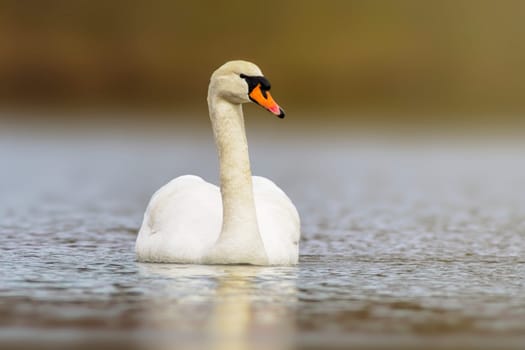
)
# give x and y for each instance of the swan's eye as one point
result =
(265, 84)
(253, 81)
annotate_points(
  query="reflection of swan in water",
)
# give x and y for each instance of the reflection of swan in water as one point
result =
(225, 307)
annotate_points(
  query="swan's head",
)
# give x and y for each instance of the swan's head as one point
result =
(241, 82)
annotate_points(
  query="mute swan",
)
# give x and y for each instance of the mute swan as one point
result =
(249, 220)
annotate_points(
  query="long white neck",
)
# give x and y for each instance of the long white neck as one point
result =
(239, 241)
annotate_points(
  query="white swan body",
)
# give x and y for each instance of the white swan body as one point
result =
(248, 220)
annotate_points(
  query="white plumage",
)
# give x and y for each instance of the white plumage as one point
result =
(248, 220)
(183, 222)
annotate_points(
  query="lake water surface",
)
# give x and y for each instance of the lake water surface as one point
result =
(405, 245)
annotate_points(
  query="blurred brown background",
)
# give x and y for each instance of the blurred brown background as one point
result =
(456, 60)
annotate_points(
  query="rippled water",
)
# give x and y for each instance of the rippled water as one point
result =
(403, 246)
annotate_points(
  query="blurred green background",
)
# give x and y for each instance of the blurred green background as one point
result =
(387, 60)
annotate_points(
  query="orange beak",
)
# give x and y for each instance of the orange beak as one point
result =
(265, 100)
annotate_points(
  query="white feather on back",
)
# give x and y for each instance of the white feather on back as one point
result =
(184, 218)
